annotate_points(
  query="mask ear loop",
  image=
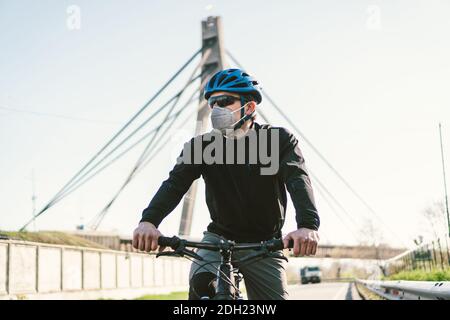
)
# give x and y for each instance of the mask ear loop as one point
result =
(244, 117)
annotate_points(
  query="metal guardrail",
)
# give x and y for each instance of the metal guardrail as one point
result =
(408, 290)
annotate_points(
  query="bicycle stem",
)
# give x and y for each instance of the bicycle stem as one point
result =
(223, 289)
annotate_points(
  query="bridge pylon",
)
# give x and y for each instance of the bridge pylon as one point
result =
(212, 37)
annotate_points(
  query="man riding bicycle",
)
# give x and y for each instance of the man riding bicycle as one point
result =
(246, 203)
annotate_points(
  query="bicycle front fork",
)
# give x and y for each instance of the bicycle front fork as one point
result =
(224, 289)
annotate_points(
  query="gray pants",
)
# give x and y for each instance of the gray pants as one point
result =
(264, 279)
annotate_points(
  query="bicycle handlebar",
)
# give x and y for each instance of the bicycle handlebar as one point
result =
(271, 245)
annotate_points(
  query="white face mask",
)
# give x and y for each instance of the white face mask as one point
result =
(222, 118)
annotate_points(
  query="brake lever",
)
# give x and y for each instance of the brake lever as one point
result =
(192, 254)
(180, 251)
(169, 253)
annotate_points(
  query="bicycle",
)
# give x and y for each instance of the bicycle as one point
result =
(227, 278)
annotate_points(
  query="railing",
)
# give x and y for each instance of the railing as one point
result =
(408, 290)
(430, 256)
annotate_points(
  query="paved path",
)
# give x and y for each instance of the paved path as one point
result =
(323, 291)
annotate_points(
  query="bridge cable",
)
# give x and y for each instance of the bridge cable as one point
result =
(148, 158)
(131, 175)
(334, 170)
(333, 209)
(145, 153)
(51, 202)
(79, 178)
(167, 140)
(119, 156)
(316, 179)
(325, 189)
(70, 188)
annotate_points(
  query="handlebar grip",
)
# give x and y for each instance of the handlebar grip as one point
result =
(278, 244)
(291, 244)
(169, 242)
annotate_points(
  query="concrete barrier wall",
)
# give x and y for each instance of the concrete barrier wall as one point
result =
(22, 269)
(148, 274)
(91, 270)
(72, 269)
(3, 268)
(49, 266)
(108, 270)
(36, 271)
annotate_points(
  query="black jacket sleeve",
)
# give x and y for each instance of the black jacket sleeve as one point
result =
(294, 174)
(171, 191)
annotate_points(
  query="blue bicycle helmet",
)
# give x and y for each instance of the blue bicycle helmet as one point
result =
(233, 80)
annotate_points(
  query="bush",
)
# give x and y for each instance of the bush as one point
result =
(422, 275)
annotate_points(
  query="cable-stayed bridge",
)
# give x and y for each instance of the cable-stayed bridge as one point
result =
(153, 132)
(91, 269)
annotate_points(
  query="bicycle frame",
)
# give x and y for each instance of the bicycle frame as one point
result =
(224, 289)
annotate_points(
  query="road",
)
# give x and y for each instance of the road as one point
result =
(323, 291)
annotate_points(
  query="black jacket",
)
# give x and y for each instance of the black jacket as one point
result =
(244, 205)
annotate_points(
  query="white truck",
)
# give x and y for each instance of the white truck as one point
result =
(310, 274)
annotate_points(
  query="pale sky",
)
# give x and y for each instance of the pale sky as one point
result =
(366, 81)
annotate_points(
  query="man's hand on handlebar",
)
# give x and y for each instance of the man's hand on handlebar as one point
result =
(145, 237)
(305, 241)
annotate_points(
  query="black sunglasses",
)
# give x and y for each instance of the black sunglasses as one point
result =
(222, 101)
